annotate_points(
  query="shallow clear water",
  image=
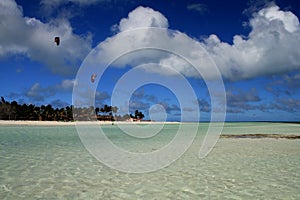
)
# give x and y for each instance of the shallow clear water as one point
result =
(51, 163)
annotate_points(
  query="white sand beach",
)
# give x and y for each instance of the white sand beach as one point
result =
(61, 123)
(38, 123)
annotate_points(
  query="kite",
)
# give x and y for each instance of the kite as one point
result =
(57, 40)
(93, 77)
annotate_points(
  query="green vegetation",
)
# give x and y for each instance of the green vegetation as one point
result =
(14, 111)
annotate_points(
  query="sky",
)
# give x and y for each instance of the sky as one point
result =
(173, 60)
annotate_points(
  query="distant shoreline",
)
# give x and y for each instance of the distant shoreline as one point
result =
(73, 123)
(70, 123)
(67, 123)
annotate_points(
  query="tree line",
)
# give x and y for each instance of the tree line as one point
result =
(15, 111)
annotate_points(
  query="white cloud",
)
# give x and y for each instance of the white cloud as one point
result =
(143, 17)
(272, 46)
(52, 4)
(158, 49)
(49, 7)
(57, 2)
(58, 103)
(199, 7)
(290, 22)
(38, 93)
(33, 38)
(66, 84)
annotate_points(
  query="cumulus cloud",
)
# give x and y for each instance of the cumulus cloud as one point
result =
(37, 93)
(50, 5)
(270, 48)
(241, 101)
(292, 81)
(204, 105)
(287, 84)
(65, 85)
(199, 7)
(242, 96)
(74, 7)
(57, 103)
(145, 27)
(101, 98)
(35, 39)
(138, 105)
(288, 105)
(146, 103)
(142, 17)
(59, 2)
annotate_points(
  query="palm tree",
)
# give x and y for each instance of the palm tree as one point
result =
(138, 115)
(14, 107)
(69, 113)
(114, 109)
(49, 111)
(106, 108)
(97, 110)
(30, 112)
(37, 112)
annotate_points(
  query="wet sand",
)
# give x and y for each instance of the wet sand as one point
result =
(260, 136)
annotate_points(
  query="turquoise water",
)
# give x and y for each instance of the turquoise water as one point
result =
(45, 162)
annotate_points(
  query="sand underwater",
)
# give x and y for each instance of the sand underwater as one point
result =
(50, 162)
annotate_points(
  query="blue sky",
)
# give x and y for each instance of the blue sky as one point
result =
(253, 44)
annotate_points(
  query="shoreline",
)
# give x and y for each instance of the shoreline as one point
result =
(62, 123)
(85, 123)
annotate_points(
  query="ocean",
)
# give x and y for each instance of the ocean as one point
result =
(51, 162)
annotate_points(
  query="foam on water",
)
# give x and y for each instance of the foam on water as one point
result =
(51, 163)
